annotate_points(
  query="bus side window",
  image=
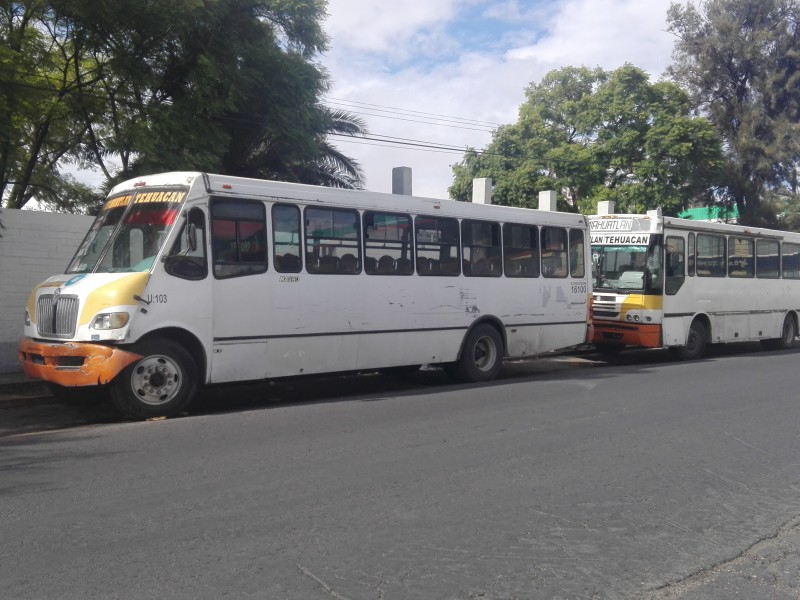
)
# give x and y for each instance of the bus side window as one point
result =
(675, 265)
(768, 259)
(520, 250)
(741, 257)
(480, 247)
(554, 252)
(239, 237)
(187, 257)
(577, 266)
(791, 261)
(711, 255)
(437, 246)
(387, 244)
(333, 241)
(286, 238)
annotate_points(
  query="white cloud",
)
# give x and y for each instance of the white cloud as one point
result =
(383, 27)
(414, 55)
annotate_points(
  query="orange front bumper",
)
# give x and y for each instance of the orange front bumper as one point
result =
(627, 334)
(73, 363)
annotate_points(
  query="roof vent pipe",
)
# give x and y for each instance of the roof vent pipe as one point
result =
(482, 190)
(401, 181)
(547, 201)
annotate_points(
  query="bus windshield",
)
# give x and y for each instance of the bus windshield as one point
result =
(129, 232)
(619, 267)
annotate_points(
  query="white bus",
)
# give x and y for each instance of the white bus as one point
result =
(663, 282)
(190, 278)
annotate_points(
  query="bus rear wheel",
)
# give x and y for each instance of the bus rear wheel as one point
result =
(788, 335)
(695, 343)
(481, 357)
(161, 384)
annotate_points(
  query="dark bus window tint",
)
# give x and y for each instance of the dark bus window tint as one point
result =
(332, 241)
(521, 250)
(741, 257)
(437, 249)
(711, 255)
(577, 255)
(791, 260)
(675, 265)
(554, 252)
(286, 238)
(690, 259)
(768, 259)
(238, 237)
(480, 246)
(387, 244)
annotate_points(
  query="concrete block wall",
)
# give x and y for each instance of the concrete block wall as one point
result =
(34, 245)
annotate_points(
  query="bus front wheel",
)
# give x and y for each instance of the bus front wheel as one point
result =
(788, 335)
(481, 357)
(695, 343)
(161, 384)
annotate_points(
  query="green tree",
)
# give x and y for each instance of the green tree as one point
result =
(740, 61)
(595, 135)
(38, 128)
(130, 87)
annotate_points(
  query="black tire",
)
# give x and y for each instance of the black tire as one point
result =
(788, 335)
(695, 343)
(481, 356)
(162, 384)
(84, 395)
(609, 349)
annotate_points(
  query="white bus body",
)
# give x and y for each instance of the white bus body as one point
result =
(664, 282)
(190, 278)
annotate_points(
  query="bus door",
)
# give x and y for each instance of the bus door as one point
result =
(241, 322)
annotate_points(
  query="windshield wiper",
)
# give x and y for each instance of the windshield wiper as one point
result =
(603, 281)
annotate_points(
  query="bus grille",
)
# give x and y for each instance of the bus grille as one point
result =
(59, 318)
(605, 307)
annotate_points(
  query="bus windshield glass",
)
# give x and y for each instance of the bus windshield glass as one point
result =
(129, 232)
(619, 267)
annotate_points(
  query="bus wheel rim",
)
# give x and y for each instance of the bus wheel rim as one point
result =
(485, 353)
(156, 380)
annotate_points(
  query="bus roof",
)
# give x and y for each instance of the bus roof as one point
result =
(225, 185)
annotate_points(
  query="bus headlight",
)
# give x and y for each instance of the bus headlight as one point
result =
(27, 319)
(115, 320)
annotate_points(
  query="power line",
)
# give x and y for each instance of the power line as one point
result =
(409, 112)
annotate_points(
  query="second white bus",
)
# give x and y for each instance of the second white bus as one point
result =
(664, 282)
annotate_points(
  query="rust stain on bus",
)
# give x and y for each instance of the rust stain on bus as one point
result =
(71, 364)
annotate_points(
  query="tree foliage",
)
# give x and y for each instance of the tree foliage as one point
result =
(740, 61)
(130, 87)
(595, 135)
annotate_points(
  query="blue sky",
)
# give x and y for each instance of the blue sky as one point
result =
(397, 63)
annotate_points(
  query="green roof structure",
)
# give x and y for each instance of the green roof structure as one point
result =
(717, 214)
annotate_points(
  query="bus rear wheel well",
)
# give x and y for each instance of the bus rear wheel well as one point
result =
(492, 322)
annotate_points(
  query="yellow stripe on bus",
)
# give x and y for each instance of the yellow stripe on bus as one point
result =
(119, 292)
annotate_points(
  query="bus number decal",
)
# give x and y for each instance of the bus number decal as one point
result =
(579, 288)
(156, 298)
(289, 278)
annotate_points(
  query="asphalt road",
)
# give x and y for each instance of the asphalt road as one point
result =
(645, 479)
